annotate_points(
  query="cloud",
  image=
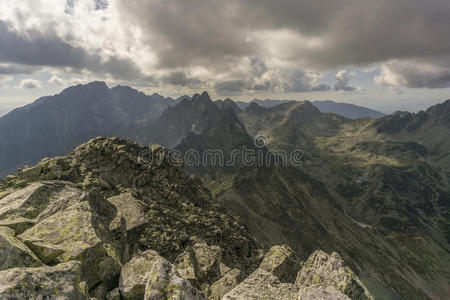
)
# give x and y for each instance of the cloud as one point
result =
(230, 88)
(30, 84)
(181, 79)
(415, 74)
(342, 81)
(57, 80)
(187, 43)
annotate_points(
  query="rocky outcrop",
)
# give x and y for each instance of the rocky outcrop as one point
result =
(115, 208)
(113, 220)
(60, 282)
(165, 283)
(134, 275)
(13, 253)
(326, 273)
(322, 276)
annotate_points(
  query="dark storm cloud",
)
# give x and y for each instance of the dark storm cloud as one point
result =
(181, 79)
(230, 88)
(38, 49)
(298, 81)
(15, 69)
(359, 32)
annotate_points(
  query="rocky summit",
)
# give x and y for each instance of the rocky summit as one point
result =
(104, 223)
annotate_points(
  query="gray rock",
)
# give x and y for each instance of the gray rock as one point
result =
(164, 283)
(281, 262)
(72, 234)
(321, 293)
(225, 284)
(262, 284)
(57, 282)
(13, 253)
(330, 272)
(113, 295)
(128, 208)
(133, 276)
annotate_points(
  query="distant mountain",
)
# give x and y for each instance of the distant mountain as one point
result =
(54, 125)
(374, 190)
(346, 110)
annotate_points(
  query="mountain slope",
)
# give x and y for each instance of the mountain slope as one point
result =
(346, 110)
(107, 222)
(54, 125)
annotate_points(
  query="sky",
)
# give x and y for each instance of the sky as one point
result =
(385, 54)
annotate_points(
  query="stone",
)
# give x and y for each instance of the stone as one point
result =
(330, 271)
(128, 208)
(56, 282)
(225, 284)
(321, 293)
(133, 276)
(113, 295)
(208, 259)
(262, 284)
(14, 253)
(186, 266)
(164, 283)
(281, 262)
(72, 234)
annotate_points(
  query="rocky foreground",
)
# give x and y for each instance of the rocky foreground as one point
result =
(103, 223)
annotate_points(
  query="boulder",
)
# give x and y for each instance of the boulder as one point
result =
(133, 276)
(321, 293)
(187, 266)
(26, 202)
(330, 272)
(164, 283)
(281, 262)
(75, 233)
(262, 284)
(13, 253)
(25, 207)
(113, 295)
(208, 259)
(128, 208)
(225, 284)
(57, 282)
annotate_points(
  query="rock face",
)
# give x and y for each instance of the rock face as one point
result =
(327, 273)
(61, 282)
(13, 253)
(322, 276)
(113, 220)
(114, 207)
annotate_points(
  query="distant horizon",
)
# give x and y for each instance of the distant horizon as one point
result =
(422, 106)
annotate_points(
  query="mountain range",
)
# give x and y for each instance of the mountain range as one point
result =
(375, 190)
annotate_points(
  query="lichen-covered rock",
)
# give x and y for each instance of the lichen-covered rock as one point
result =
(133, 276)
(324, 270)
(262, 285)
(74, 234)
(187, 266)
(113, 295)
(281, 262)
(164, 283)
(39, 200)
(225, 284)
(26, 202)
(13, 253)
(57, 282)
(128, 208)
(321, 293)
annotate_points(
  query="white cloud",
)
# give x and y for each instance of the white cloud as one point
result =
(30, 84)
